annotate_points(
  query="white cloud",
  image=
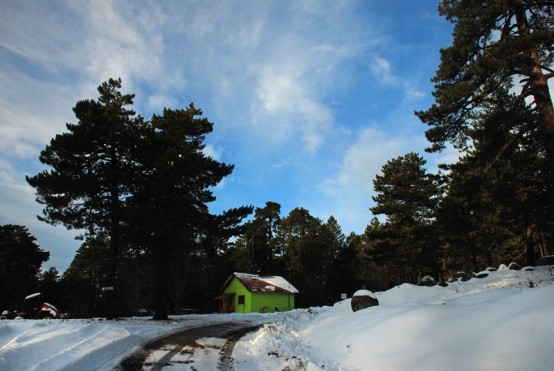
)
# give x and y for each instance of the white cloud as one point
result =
(122, 44)
(349, 191)
(295, 109)
(382, 70)
(278, 79)
(362, 161)
(212, 152)
(157, 102)
(31, 113)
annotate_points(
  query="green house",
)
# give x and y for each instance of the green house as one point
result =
(247, 293)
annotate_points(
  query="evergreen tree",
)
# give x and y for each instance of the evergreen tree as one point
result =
(91, 170)
(85, 277)
(50, 287)
(346, 268)
(259, 244)
(499, 193)
(217, 243)
(383, 260)
(173, 190)
(408, 196)
(342, 263)
(494, 43)
(309, 253)
(20, 261)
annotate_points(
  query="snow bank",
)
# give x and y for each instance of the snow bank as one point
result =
(501, 322)
(89, 344)
(54, 344)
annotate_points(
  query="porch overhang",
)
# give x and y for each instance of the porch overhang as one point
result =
(224, 296)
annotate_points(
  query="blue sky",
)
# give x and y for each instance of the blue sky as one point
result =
(308, 98)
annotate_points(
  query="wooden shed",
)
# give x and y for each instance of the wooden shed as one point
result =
(247, 293)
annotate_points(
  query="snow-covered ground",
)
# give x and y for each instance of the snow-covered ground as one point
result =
(502, 322)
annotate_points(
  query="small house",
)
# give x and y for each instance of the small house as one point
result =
(247, 293)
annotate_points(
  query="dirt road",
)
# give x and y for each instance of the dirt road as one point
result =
(191, 349)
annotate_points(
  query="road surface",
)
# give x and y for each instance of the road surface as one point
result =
(191, 349)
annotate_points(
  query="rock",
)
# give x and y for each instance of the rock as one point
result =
(427, 281)
(514, 266)
(463, 276)
(363, 299)
(482, 274)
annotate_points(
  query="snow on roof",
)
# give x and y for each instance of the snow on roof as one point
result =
(254, 282)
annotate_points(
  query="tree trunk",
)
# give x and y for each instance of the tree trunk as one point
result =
(161, 296)
(538, 87)
(529, 247)
(115, 233)
(114, 255)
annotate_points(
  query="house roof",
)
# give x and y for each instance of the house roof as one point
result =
(256, 283)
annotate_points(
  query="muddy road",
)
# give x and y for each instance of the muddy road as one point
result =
(191, 349)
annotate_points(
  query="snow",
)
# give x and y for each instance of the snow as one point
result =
(501, 322)
(364, 292)
(279, 281)
(32, 295)
(273, 281)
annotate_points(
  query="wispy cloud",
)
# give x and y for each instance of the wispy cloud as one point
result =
(382, 70)
(351, 188)
(290, 86)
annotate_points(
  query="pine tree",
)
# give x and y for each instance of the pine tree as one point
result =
(170, 204)
(20, 262)
(85, 277)
(91, 170)
(259, 240)
(499, 192)
(408, 196)
(494, 44)
(309, 253)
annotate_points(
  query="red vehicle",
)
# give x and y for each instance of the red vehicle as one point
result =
(38, 309)
(34, 309)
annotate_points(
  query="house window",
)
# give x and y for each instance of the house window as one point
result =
(241, 299)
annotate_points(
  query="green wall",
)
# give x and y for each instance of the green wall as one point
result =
(258, 301)
(238, 289)
(270, 300)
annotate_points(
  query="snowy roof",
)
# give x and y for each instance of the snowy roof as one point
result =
(254, 282)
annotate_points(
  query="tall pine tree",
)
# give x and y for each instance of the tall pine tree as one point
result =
(174, 188)
(494, 43)
(407, 195)
(91, 170)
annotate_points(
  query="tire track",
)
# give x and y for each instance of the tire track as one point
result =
(226, 361)
(173, 345)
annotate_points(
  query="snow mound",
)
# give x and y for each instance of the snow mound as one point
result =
(500, 322)
(364, 293)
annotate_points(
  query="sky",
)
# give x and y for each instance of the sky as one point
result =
(309, 99)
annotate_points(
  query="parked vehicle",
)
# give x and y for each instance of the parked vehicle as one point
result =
(8, 314)
(34, 308)
(38, 309)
